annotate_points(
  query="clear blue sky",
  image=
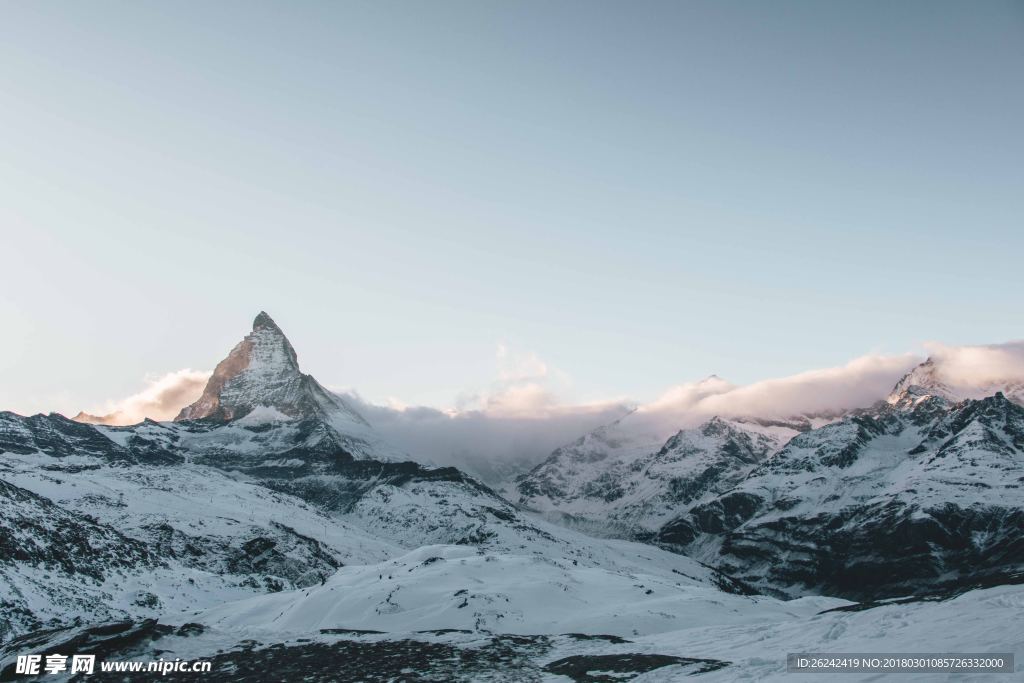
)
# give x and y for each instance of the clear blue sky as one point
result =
(641, 193)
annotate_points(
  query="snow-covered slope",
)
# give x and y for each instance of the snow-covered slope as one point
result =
(211, 535)
(461, 587)
(58, 566)
(979, 621)
(90, 540)
(708, 641)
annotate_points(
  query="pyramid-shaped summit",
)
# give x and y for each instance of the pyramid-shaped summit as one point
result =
(263, 371)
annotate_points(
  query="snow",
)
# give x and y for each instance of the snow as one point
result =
(457, 587)
(990, 620)
(262, 415)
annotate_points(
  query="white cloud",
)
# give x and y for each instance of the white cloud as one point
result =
(517, 420)
(522, 419)
(518, 367)
(978, 366)
(524, 387)
(857, 384)
(685, 397)
(160, 400)
(824, 392)
(489, 442)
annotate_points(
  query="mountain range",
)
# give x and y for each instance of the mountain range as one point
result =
(270, 516)
(922, 491)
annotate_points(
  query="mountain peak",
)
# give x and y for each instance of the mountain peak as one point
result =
(263, 370)
(921, 382)
(264, 321)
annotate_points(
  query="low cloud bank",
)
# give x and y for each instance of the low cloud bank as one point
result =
(828, 391)
(975, 367)
(488, 444)
(160, 400)
(520, 418)
(520, 421)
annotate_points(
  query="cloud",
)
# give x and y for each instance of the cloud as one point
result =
(522, 420)
(823, 392)
(523, 413)
(160, 400)
(685, 397)
(976, 367)
(517, 420)
(517, 367)
(492, 442)
(524, 387)
(828, 391)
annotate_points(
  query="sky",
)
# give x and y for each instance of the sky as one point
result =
(446, 203)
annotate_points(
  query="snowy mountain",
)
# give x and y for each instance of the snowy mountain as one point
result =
(113, 532)
(270, 528)
(268, 485)
(258, 401)
(919, 492)
(460, 588)
(908, 499)
(262, 371)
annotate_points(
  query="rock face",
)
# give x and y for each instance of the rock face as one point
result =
(57, 436)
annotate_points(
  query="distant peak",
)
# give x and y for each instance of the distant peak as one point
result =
(931, 380)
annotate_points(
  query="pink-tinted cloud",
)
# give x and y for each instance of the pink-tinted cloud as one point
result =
(828, 391)
(978, 367)
(522, 415)
(160, 400)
